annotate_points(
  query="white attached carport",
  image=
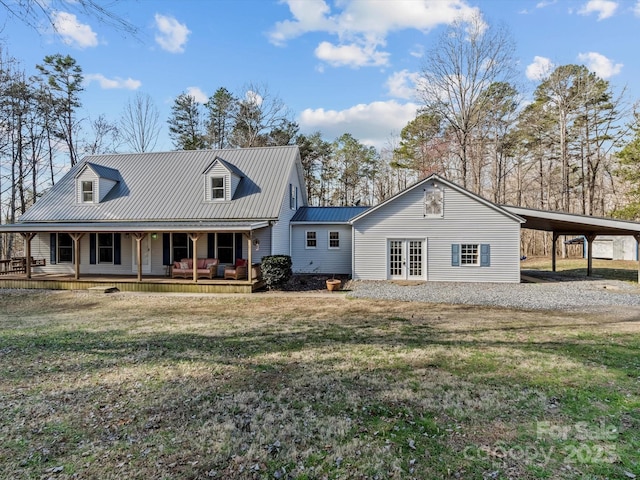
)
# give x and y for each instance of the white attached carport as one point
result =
(559, 223)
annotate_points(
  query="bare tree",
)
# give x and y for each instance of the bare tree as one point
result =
(104, 138)
(259, 113)
(139, 123)
(34, 13)
(468, 57)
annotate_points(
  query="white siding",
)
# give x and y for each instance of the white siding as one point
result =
(86, 176)
(466, 220)
(217, 170)
(264, 237)
(321, 259)
(280, 232)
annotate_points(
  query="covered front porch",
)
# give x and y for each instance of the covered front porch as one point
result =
(140, 257)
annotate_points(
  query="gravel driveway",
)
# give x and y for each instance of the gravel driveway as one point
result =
(556, 293)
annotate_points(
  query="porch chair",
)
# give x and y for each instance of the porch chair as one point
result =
(238, 271)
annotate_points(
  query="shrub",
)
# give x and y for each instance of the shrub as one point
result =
(276, 270)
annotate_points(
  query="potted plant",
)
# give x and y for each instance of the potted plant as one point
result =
(333, 284)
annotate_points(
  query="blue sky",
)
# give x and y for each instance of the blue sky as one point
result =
(340, 66)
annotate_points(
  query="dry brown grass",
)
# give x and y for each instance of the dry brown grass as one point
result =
(267, 386)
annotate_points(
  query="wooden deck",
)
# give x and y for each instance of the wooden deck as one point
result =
(125, 283)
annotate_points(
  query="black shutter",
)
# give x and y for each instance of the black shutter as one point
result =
(52, 248)
(166, 249)
(117, 249)
(239, 242)
(211, 245)
(92, 248)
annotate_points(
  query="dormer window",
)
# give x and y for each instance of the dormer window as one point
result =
(87, 192)
(94, 182)
(217, 188)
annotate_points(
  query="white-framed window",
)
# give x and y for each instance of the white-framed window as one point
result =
(65, 248)
(334, 240)
(217, 188)
(105, 247)
(469, 254)
(311, 240)
(87, 191)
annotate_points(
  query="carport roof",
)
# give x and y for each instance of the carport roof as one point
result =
(572, 224)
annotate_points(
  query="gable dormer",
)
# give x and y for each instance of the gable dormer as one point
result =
(94, 182)
(221, 179)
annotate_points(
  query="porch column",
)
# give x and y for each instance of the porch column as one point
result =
(637, 237)
(249, 256)
(139, 236)
(554, 236)
(194, 238)
(27, 237)
(590, 238)
(76, 252)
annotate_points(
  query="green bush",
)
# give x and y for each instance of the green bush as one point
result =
(276, 270)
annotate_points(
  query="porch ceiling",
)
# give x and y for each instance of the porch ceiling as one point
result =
(240, 226)
(572, 224)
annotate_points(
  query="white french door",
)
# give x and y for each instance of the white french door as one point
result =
(406, 259)
(146, 254)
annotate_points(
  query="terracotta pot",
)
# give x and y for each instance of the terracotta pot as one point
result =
(333, 284)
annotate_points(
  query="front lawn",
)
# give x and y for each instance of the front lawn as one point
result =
(276, 387)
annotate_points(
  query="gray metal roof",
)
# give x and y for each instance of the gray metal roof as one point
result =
(169, 186)
(104, 172)
(573, 224)
(204, 226)
(327, 214)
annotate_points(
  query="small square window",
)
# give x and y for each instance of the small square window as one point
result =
(334, 239)
(469, 254)
(87, 192)
(217, 188)
(311, 240)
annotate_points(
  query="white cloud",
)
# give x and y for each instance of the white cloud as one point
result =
(362, 26)
(601, 65)
(402, 84)
(72, 31)
(350, 55)
(418, 50)
(604, 8)
(197, 94)
(636, 9)
(539, 69)
(112, 83)
(172, 35)
(372, 124)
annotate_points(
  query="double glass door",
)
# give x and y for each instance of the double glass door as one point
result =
(406, 259)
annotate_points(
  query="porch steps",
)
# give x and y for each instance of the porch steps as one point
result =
(103, 289)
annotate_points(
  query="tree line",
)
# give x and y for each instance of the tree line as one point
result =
(571, 145)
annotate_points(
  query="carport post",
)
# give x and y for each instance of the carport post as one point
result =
(637, 237)
(590, 238)
(554, 236)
